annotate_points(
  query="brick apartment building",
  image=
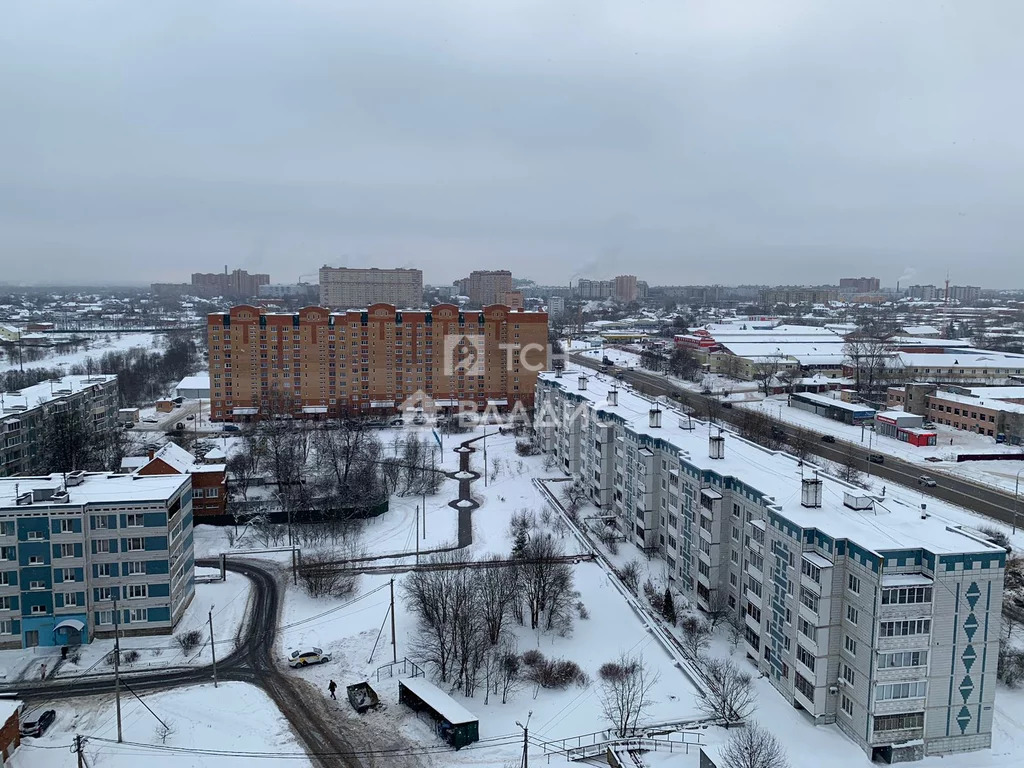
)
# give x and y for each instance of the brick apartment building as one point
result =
(625, 288)
(990, 411)
(209, 478)
(238, 284)
(343, 288)
(859, 284)
(317, 363)
(487, 286)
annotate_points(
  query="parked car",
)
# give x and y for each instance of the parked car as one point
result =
(827, 439)
(179, 426)
(232, 428)
(151, 420)
(37, 727)
(190, 417)
(307, 656)
(876, 458)
(419, 419)
(397, 421)
(925, 480)
(726, 404)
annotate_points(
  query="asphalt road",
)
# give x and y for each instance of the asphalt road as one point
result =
(326, 738)
(986, 500)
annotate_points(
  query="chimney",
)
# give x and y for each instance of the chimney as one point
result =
(716, 446)
(151, 453)
(810, 492)
(655, 416)
(582, 383)
(558, 373)
(924, 513)
(613, 396)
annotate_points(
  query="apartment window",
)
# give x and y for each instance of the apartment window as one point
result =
(853, 584)
(892, 691)
(138, 614)
(848, 674)
(906, 595)
(806, 628)
(37, 585)
(106, 617)
(7, 528)
(805, 657)
(68, 574)
(810, 570)
(212, 493)
(735, 557)
(5, 603)
(5, 626)
(102, 546)
(104, 593)
(5, 578)
(852, 615)
(735, 533)
(809, 599)
(903, 628)
(135, 544)
(103, 569)
(35, 535)
(136, 591)
(847, 705)
(134, 521)
(35, 560)
(67, 526)
(902, 659)
(38, 609)
(803, 685)
(70, 598)
(732, 579)
(134, 568)
(850, 646)
(754, 585)
(900, 722)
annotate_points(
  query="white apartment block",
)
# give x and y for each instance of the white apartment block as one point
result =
(343, 288)
(871, 612)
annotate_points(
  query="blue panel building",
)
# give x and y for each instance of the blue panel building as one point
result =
(75, 548)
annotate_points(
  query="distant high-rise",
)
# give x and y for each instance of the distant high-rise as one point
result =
(345, 288)
(487, 286)
(625, 288)
(859, 284)
(238, 284)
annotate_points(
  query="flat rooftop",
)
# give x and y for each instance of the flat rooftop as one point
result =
(50, 391)
(95, 488)
(894, 523)
(814, 397)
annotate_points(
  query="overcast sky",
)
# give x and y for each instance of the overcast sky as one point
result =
(684, 141)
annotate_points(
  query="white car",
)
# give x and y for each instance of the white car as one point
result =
(307, 656)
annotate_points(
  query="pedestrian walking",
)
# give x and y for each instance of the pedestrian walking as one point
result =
(332, 687)
(42, 671)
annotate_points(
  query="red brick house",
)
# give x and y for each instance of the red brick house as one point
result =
(10, 733)
(209, 481)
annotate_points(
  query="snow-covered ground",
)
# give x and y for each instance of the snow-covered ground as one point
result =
(97, 346)
(229, 600)
(231, 718)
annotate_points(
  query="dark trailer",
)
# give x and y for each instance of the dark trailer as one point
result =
(452, 721)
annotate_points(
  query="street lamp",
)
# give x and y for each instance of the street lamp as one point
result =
(1016, 492)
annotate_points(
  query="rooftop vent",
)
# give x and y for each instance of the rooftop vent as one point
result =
(23, 499)
(924, 512)
(655, 417)
(43, 494)
(558, 373)
(810, 492)
(716, 446)
(858, 501)
(613, 396)
(582, 382)
(74, 478)
(60, 497)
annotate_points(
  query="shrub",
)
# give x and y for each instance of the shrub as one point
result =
(996, 535)
(582, 610)
(654, 597)
(75, 657)
(111, 658)
(130, 657)
(630, 575)
(557, 674)
(532, 657)
(527, 448)
(188, 641)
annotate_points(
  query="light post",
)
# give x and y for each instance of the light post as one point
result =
(1016, 492)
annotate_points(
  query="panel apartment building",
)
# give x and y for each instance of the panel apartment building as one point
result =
(870, 612)
(316, 363)
(70, 547)
(343, 288)
(22, 414)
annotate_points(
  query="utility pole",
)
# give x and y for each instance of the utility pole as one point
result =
(485, 457)
(213, 649)
(394, 642)
(526, 743)
(117, 668)
(78, 751)
(417, 534)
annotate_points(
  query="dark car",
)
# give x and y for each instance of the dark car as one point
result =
(876, 458)
(231, 428)
(827, 439)
(37, 727)
(727, 404)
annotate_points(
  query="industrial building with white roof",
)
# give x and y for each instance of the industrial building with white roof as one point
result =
(870, 611)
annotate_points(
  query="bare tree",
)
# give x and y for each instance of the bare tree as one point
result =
(730, 695)
(626, 685)
(630, 575)
(870, 353)
(754, 747)
(498, 588)
(432, 598)
(575, 496)
(718, 608)
(510, 670)
(800, 442)
(766, 369)
(737, 630)
(322, 577)
(546, 583)
(696, 634)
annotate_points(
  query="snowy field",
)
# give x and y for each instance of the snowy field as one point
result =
(233, 717)
(229, 600)
(97, 346)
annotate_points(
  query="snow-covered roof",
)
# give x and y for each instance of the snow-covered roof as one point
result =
(7, 708)
(897, 524)
(979, 402)
(966, 359)
(95, 488)
(53, 390)
(439, 701)
(198, 381)
(921, 330)
(814, 397)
